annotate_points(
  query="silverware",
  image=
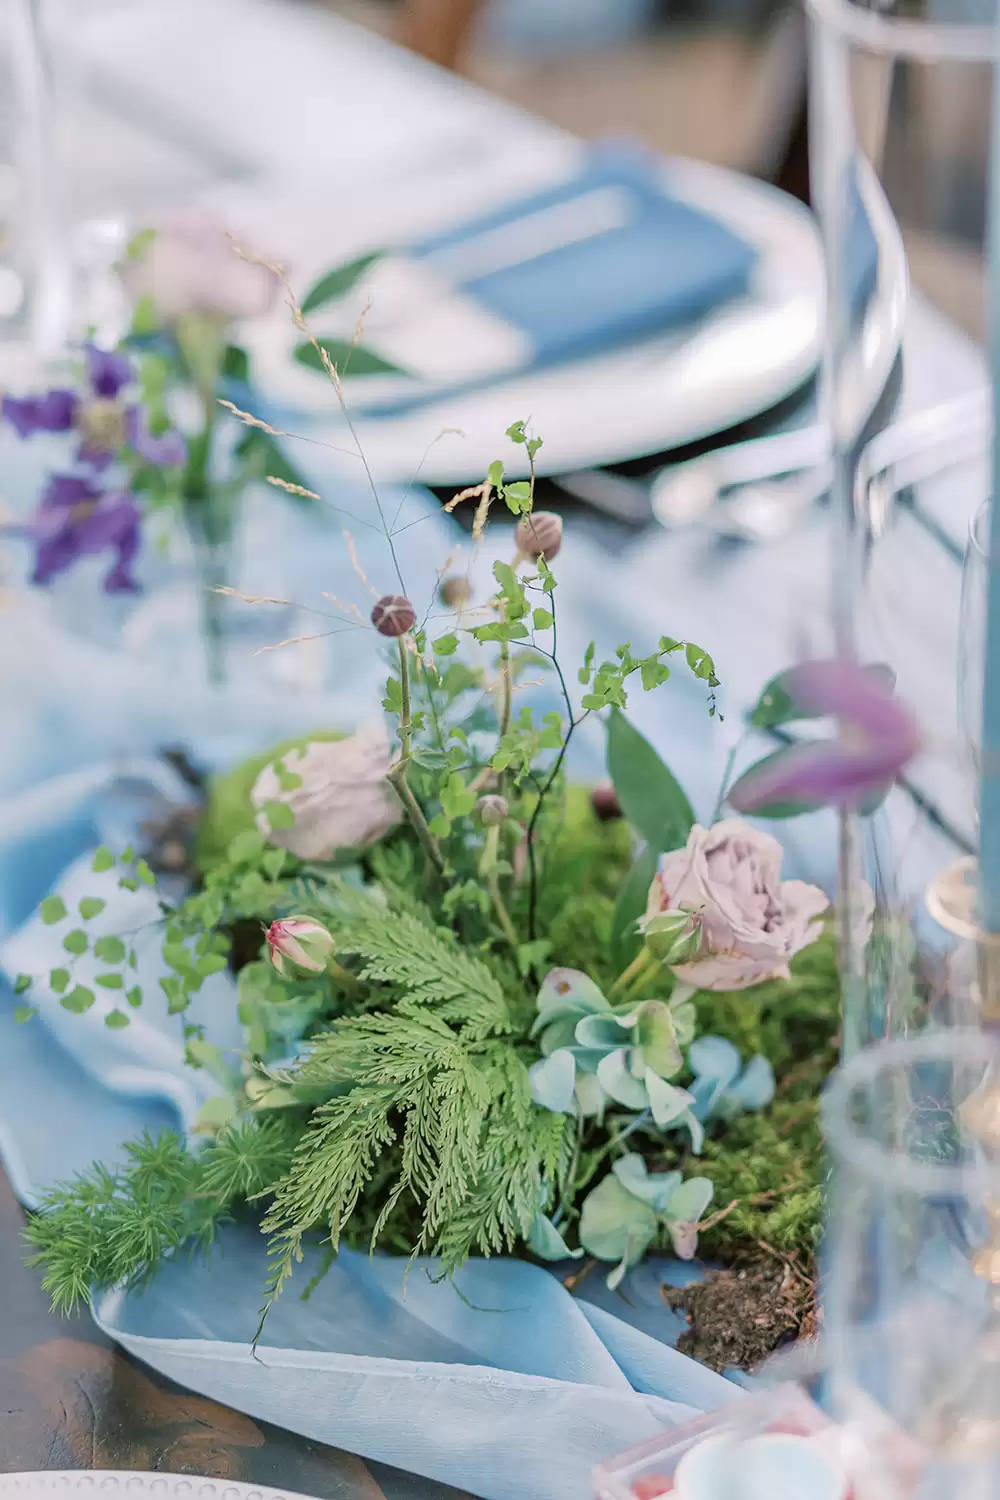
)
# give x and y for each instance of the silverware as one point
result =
(759, 490)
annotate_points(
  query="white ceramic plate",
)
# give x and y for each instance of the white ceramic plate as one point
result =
(650, 396)
(123, 1484)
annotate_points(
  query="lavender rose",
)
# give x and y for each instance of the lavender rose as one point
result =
(190, 267)
(336, 791)
(752, 922)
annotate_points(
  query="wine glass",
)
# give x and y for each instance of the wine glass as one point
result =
(900, 118)
(912, 1251)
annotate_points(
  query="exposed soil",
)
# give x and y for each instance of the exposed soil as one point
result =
(741, 1314)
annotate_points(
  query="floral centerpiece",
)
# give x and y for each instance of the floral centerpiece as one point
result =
(485, 1011)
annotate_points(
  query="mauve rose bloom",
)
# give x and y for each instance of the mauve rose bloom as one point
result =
(190, 266)
(752, 921)
(342, 800)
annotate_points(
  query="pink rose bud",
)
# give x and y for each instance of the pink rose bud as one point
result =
(673, 937)
(299, 944)
(393, 615)
(455, 591)
(539, 534)
(492, 810)
(604, 801)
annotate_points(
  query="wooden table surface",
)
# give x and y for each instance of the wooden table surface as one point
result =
(70, 1400)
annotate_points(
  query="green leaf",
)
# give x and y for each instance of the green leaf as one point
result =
(103, 860)
(58, 980)
(211, 963)
(440, 826)
(22, 983)
(625, 940)
(348, 359)
(246, 847)
(516, 432)
(128, 854)
(235, 364)
(335, 284)
(649, 794)
(272, 864)
(24, 1013)
(134, 996)
(110, 981)
(279, 815)
(116, 1019)
(109, 949)
(52, 909)
(517, 496)
(90, 906)
(445, 645)
(494, 474)
(542, 619)
(262, 456)
(75, 941)
(144, 873)
(701, 663)
(78, 1000)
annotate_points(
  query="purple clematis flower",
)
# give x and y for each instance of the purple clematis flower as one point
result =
(77, 518)
(878, 735)
(105, 422)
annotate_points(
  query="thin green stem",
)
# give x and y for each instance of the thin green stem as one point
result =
(635, 970)
(397, 775)
(499, 906)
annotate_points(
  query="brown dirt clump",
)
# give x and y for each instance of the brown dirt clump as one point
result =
(742, 1313)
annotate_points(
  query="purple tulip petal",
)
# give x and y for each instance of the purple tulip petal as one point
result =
(167, 450)
(107, 371)
(844, 772)
(54, 411)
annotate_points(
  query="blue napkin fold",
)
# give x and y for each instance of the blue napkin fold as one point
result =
(665, 265)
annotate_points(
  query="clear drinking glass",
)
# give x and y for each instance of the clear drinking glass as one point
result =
(972, 635)
(901, 103)
(912, 1255)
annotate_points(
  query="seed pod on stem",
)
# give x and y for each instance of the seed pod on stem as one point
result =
(539, 534)
(393, 615)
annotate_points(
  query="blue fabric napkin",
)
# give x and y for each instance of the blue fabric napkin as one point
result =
(657, 264)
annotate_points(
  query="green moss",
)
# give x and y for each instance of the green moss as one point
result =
(586, 862)
(228, 810)
(779, 1152)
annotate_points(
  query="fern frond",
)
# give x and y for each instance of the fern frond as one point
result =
(431, 968)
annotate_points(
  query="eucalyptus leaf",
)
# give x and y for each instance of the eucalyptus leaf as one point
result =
(626, 939)
(335, 283)
(649, 794)
(347, 359)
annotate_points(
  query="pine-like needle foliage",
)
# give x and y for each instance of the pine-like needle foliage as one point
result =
(109, 1227)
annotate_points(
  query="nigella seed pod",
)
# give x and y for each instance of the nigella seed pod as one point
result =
(393, 615)
(604, 801)
(539, 534)
(492, 809)
(299, 945)
(455, 591)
